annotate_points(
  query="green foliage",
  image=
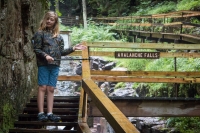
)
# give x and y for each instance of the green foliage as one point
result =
(120, 85)
(110, 7)
(92, 33)
(185, 124)
(148, 7)
(64, 28)
(162, 64)
(133, 64)
(188, 4)
(188, 64)
(58, 12)
(160, 89)
(45, 4)
(163, 7)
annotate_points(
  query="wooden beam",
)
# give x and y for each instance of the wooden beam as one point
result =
(152, 107)
(134, 79)
(82, 114)
(168, 37)
(82, 121)
(177, 14)
(145, 73)
(112, 114)
(162, 54)
(147, 80)
(69, 78)
(173, 24)
(143, 45)
(190, 38)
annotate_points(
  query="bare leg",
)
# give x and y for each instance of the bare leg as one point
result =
(50, 99)
(40, 98)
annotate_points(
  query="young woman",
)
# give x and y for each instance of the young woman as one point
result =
(49, 46)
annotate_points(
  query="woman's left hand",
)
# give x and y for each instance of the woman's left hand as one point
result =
(79, 47)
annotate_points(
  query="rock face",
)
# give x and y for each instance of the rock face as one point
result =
(19, 20)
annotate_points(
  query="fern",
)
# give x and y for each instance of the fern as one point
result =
(188, 5)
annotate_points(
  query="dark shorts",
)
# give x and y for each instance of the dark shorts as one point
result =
(47, 75)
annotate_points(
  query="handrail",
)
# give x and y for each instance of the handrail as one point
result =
(184, 24)
(118, 44)
(158, 22)
(162, 54)
(147, 79)
(89, 88)
(113, 115)
(177, 14)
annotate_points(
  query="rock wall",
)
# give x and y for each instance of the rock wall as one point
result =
(19, 20)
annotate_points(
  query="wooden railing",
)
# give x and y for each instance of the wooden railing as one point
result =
(113, 115)
(172, 22)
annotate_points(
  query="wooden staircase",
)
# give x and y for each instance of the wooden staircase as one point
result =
(64, 106)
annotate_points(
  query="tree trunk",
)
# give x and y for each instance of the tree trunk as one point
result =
(84, 14)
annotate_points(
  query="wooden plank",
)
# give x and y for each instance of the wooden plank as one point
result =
(25, 130)
(177, 14)
(156, 35)
(153, 107)
(82, 121)
(69, 78)
(162, 54)
(190, 38)
(140, 79)
(145, 73)
(172, 36)
(113, 115)
(173, 24)
(143, 45)
(80, 117)
(180, 55)
(85, 64)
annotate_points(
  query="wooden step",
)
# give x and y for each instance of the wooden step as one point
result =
(33, 117)
(24, 130)
(56, 105)
(37, 124)
(64, 107)
(63, 111)
(60, 99)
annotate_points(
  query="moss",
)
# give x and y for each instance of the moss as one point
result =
(8, 120)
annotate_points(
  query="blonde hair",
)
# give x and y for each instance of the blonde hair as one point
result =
(55, 29)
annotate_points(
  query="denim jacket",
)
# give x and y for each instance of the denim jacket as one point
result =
(45, 44)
